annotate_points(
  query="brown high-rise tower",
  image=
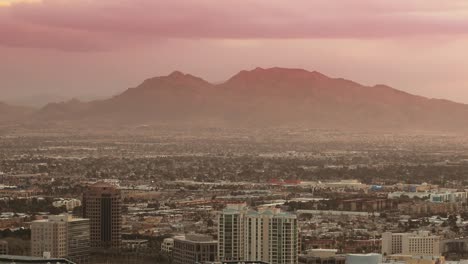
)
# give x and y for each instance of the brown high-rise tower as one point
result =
(102, 204)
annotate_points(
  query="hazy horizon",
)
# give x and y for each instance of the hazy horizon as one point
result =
(43, 98)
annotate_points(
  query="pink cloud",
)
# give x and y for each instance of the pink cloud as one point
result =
(89, 25)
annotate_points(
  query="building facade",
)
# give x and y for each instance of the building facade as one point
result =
(413, 244)
(102, 205)
(3, 247)
(194, 248)
(79, 240)
(363, 258)
(268, 235)
(231, 231)
(49, 237)
(69, 204)
(167, 245)
(9, 259)
(449, 197)
(61, 236)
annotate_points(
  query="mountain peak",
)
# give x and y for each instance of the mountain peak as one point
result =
(268, 96)
(180, 77)
(176, 79)
(177, 74)
(283, 72)
(276, 75)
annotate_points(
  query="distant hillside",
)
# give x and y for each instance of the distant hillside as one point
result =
(12, 114)
(264, 97)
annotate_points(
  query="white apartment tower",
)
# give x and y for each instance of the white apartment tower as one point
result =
(268, 235)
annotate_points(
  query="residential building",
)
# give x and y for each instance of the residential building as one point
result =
(231, 232)
(267, 235)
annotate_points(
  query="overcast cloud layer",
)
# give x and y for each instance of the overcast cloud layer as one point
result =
(415, 45)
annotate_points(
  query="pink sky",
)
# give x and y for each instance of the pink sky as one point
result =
(98, 47)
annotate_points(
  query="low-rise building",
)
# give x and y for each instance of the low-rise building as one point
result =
(194, 248)
(449, 197)
(69, 204)
(135, 244)
(321, 256)
(420, 243)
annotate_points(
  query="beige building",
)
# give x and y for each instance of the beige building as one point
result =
(194, 248)
(49, 237)
(420, 243)
(268, 235)
(61, 236)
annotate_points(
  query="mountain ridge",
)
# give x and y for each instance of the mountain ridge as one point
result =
(265, 97)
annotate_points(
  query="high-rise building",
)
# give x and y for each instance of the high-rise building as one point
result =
(79, 240)
(102, 204)
(413, 244)
(61, 236)
(9, 259)
(268, 235)
(230, 232)
(49, 237)
(194, 248)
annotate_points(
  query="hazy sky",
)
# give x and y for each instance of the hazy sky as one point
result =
(95, 47)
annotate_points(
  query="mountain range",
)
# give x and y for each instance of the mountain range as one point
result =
(260, 97)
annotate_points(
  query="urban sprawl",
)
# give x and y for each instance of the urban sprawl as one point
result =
(278, 197)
